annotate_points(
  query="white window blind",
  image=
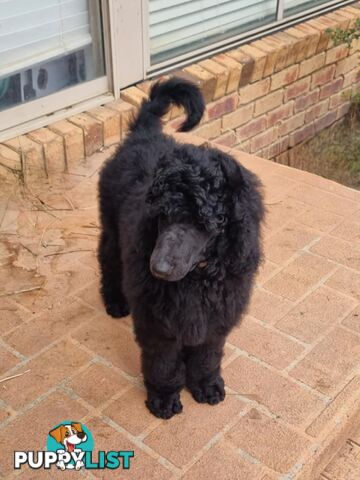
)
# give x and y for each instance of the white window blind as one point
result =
(294, 6)
(178, 26)
(33, 31)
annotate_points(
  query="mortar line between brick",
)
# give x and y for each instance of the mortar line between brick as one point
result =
(276, 231)
(272, 328)
(345, 219)
(232, 357)
(327, 331)
(340, 387)
(310, 290)
(215, 440)
(153, 426)
(102, 312)
(345, 386)
(47, 347)
(34, 317)
(283, 373)
(93, 359)
(102, 406)
(322, 283)
(99, 359)
(338, 320)
(87, 304)
(324, 191)
(153, 453)
(212, 442)
(34, 402)
(14, 352)
(328, 400)
(297, 253)
(348, 329)
(29, 406)
(339, 265)
(251, 403)
(19, 306)
(292, 473)
(334, 237)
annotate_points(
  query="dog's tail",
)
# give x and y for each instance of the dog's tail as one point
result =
(162, 94)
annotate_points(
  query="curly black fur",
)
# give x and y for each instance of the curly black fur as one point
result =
(179, 248)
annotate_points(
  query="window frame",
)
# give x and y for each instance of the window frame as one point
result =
(64, 103)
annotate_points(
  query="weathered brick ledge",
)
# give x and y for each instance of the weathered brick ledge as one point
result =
(265, 98)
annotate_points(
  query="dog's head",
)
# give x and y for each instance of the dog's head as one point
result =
(69, 435)
(191, 201)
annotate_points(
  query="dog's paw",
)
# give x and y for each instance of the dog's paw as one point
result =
(164, 406)
(117, 309)
(211, 393)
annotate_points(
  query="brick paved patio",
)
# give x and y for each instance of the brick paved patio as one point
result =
(291, 369)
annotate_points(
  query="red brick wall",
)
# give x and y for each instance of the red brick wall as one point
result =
(277, 92)
(295, 84)
(264, 98)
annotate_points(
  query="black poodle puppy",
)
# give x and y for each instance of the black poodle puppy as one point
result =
(179, 248)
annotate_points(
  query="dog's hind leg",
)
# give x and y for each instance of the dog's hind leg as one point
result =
(203, 377)
(111, 274)
(164, 376)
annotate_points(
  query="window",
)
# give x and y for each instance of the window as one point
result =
(178, 26)
(48, 47)
(179, 29)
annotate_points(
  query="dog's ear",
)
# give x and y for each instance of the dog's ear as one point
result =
(77, 426)
(58, 433)
(245, 215)
(232, 172)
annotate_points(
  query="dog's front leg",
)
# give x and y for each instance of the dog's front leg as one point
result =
(164, 376)
(203, 377)
(109, 256)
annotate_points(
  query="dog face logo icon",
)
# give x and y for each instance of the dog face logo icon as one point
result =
(71, 440)
(69, 435)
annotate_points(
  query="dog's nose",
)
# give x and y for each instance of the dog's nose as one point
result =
(81, 435)
(161, 269)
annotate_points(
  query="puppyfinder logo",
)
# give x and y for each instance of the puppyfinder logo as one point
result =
(70, 446)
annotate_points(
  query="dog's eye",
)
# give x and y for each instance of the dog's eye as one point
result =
(66, 434)
(73, 431)
(202, 264)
